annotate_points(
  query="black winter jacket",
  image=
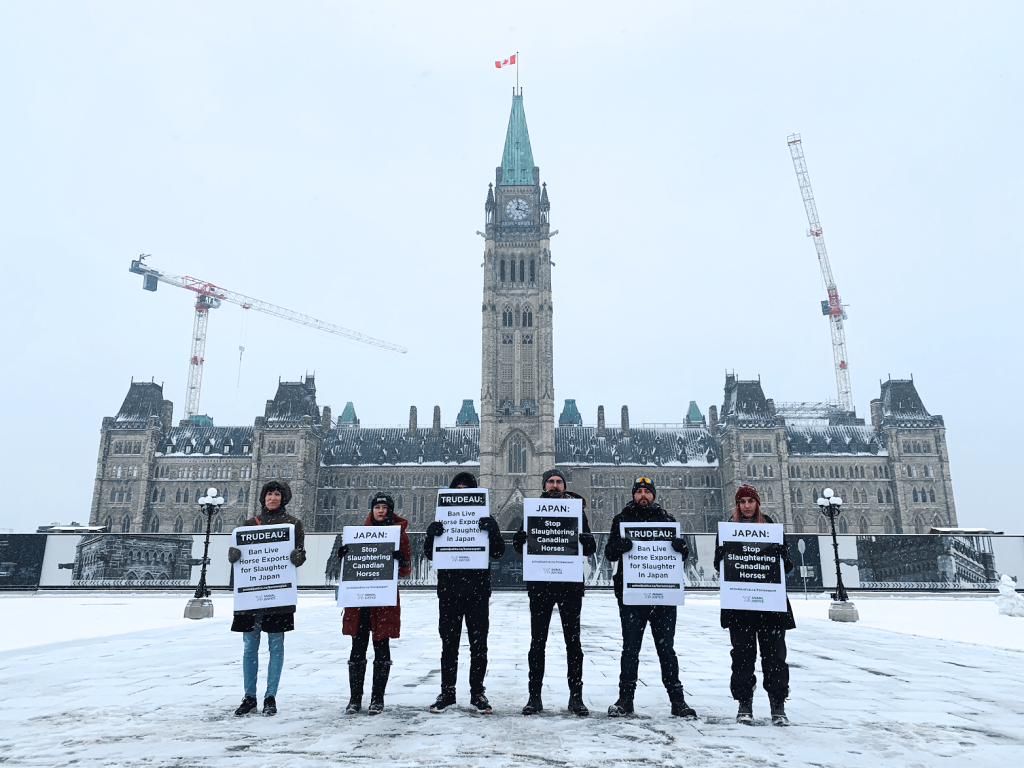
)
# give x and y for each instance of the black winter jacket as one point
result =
(465, 584)
(631, 513)
(280, 618)
(757, 619)
(559, 590)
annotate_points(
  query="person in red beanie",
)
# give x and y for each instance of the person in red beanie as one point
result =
(750, 629)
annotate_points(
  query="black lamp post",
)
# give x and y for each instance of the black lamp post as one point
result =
(201, 606)
(841, 609)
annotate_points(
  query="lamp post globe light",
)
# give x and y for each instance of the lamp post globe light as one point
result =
(201, 606)
(841, 609)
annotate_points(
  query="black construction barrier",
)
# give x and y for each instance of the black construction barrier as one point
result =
(165, 561)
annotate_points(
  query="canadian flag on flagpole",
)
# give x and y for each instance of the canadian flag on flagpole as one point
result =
(507, 62)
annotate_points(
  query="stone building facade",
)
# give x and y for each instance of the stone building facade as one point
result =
(893, 473)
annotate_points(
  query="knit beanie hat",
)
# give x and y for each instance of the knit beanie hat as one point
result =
(382, 497)
(749, 492)
(552, 473)
(467, 479)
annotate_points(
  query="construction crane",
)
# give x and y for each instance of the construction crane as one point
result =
(210, 296)
(832, 307)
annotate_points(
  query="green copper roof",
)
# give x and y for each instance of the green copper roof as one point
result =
(467, 416)
(693, 415)
(348, 416)
(570, 416)
(517, 159)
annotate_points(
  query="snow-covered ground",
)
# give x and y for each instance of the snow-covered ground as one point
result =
(108, 679)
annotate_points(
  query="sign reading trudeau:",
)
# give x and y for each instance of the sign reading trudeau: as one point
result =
(463, 544)
(264, 575)
(652, 572)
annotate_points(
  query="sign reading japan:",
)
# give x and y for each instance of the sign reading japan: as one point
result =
(652, 572)
(749, 579)
(463, 544)
(552, 551)
(264, 575)
(369, 573)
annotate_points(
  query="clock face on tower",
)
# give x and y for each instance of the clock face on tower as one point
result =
(517, 209)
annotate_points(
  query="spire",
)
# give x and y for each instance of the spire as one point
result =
(517, 159)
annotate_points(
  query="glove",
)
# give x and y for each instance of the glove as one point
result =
(234, 554)
(620, 547)
(679, 545)
(397, 555)
(588, 543)
(435, 529)
(490, 525)
(343, 551)
(297, 556)
(519, 539)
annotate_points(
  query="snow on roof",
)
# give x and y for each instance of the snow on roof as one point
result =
(692, 446)
(821, 440)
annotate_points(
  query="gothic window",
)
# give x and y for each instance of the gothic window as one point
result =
(503, 270)
(915, 494)
(886, 468)
(177, 496)
(879, 495)
(926, 447)
(931, 494)
(512, 270)
(842, 525)
(126, 524)
(506, 318)
(218, 524)
(919, 524)
(799, 496)
(154, 525)
(917, 446)
(186, 496)
(516, 456)
(888, 496)
(822, 524)
(197, 524)
(527, 318)
(929, 470)
(522, 270)
(179, 524)
(769, 496)
(533, 270)
(400, 501)
(746, 447)
(798, 524)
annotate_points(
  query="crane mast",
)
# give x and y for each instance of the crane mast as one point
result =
(833, 307)
(210, 296)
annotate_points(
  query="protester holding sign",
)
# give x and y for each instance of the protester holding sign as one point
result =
(464, 594)
(384, 622)
(748, 629)
(568, 596)
(662, 618)
(275, 621)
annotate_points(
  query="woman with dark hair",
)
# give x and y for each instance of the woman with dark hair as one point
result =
(384, 622)
(274, 497)
(750, 629)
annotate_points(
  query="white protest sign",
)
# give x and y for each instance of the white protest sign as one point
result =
(652, 572)
(749, 579)
(264, 575)
(552, 551)
(369, 572)
(463, 544)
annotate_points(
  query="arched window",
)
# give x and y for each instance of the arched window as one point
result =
(241, 496)
(880, 499)
(799, 496)
(154, 525)
(156, 494)
(126, 524)
(512, 270)
(864, 526)
(120, 495)
(516, 456)
(769, 496)
(503, 270)
(533, 270)
(798, 523)
(841, 525)
(197, 524)
(108, 522)
(128, 495)
(163, 495)
(522, 270)
(400, 501)
(919, 524)
(186, 495)
(179, 524)
(822, 524)
(218, 524)
(915, 494)
(527, 318)
(888, 496)
(931, 494)
(113, 494)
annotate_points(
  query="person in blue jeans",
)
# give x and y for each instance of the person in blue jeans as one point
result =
(635, 618)
(274, 497)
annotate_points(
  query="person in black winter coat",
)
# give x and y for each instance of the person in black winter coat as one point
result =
(750, 629)
(464, 594)
(274, 497)
(662, 618)
(568, 596)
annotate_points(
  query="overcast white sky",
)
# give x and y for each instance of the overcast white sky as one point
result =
(334, 158)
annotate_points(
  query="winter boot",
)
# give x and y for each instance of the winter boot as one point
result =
(745, 714)
(534, 705)
(248, 704)
(444, 700)
(779, 716)
(356, 676)
(381, 672)
(682, 709)
(576, 705)
(480, 702)
(269, 707)
(624, 705)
